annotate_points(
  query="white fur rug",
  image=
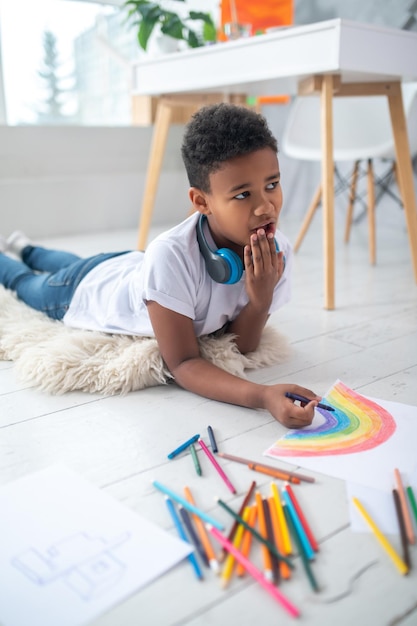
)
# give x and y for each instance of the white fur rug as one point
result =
(57, 359)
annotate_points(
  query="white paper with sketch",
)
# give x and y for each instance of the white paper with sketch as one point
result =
(69, 551)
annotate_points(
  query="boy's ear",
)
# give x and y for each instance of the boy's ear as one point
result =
(199, 200)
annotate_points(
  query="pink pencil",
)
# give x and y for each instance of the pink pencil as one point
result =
(216, 465)
(254, 571)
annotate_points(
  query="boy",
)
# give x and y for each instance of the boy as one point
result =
(220, 269)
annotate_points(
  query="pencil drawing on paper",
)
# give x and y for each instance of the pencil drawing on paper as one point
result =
(356, 424)
(87, 564)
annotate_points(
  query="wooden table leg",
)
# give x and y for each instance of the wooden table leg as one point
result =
(327, 169)
(159, 139)
(404, 169)
(371, 213)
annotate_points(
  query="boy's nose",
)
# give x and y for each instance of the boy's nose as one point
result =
(264, 207)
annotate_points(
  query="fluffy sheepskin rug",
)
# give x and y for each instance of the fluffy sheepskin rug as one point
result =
(57, 359)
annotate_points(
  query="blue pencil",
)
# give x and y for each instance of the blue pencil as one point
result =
(308, 550)
(187, 505)
(191, 557)
(183, 446)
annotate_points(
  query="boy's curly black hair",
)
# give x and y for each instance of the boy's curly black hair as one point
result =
(218, 133)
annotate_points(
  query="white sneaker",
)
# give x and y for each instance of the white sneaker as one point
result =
(3, 244)
(16, 242)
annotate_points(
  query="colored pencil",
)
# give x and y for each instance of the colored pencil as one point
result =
(186, 520)
(212, 439)
(217, 466)
(234, 526)
(304, 400)
(183, 446)
(195, 459)
(286, 539)
(257, 574)
(255, 533)
(274, 473)
(398, 561)
(305, 560)
(230, 560)
(271, 537)
(191, 557)
(308, 550)
(284, 570)
(204, 538)
(239, 459)
(266, 554)
(412, 500)
(187, 505)
(247, 539)
(302, 518)
(401, 525)
(404, 506)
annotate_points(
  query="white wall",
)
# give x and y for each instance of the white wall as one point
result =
(60, 180)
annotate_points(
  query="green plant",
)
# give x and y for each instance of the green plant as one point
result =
(147, 15)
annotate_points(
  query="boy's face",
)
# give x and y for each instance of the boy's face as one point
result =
(245, 196)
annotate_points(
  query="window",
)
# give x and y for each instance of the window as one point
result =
(65, 62)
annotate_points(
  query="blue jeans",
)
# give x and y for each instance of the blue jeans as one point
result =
(46, 279)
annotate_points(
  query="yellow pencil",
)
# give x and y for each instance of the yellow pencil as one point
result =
(247, 539)
(204, 538)
(229, 562)
(263, 531)
(286, 540)
(402, 567)
(283, 567)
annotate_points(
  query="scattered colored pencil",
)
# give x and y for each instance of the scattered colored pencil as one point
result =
(191, 557)
(272, 472)
(305, 560)
(195, 459)
(404, 507)
(255, 533)
(212, 439)
(183, 446)
(230, 560)
(266, 554)
(186, 520)
(398, 561)
(307, 548)
(187, 505)
(217, 466)
(286, 539)
(302, 518)
(271, 537)
(257, 574)
(204, 538)
(235, 524)
(284, 570)
(401, 525)
(413, 503)
(247, 539)
(248, 462)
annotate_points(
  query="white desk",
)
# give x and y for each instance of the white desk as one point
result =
(336, 57)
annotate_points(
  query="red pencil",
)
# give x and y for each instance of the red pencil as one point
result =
(302, 519)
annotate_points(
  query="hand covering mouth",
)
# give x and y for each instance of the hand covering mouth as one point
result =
(269, 227)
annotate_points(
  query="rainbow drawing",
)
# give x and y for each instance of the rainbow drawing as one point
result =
(357, 424)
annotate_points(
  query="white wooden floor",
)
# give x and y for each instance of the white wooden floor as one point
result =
(121, 443)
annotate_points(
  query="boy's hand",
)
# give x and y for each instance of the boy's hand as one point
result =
(285, 411)
(263, 267)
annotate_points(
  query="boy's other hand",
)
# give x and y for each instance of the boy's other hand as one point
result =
(263, 267)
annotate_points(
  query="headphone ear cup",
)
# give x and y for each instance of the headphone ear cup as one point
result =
(234, 264)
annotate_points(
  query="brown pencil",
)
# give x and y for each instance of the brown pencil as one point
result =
(239, 459)
(401, 524)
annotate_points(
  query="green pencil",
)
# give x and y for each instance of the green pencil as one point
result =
(301, 550)
(412, 502)
(195, 459)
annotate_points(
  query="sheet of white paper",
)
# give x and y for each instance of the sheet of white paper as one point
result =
(373, 468)
(379, 504)
(69, 552)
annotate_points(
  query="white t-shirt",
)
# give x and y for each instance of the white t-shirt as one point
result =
(112, 297)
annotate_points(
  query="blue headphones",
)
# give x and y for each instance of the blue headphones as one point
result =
(223, 265)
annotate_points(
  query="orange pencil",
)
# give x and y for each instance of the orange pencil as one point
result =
(202, 532)
(273, 472)
(229, 562)
(404, 507)
(247, 539)
(302, 518)
(268, 572)
(283, 567)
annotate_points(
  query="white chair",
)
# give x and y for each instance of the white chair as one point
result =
(361, 132)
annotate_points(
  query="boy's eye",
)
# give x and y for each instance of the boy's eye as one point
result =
(273, 185)
(242, 196)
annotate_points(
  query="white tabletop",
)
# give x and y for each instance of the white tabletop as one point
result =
(276, 62)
